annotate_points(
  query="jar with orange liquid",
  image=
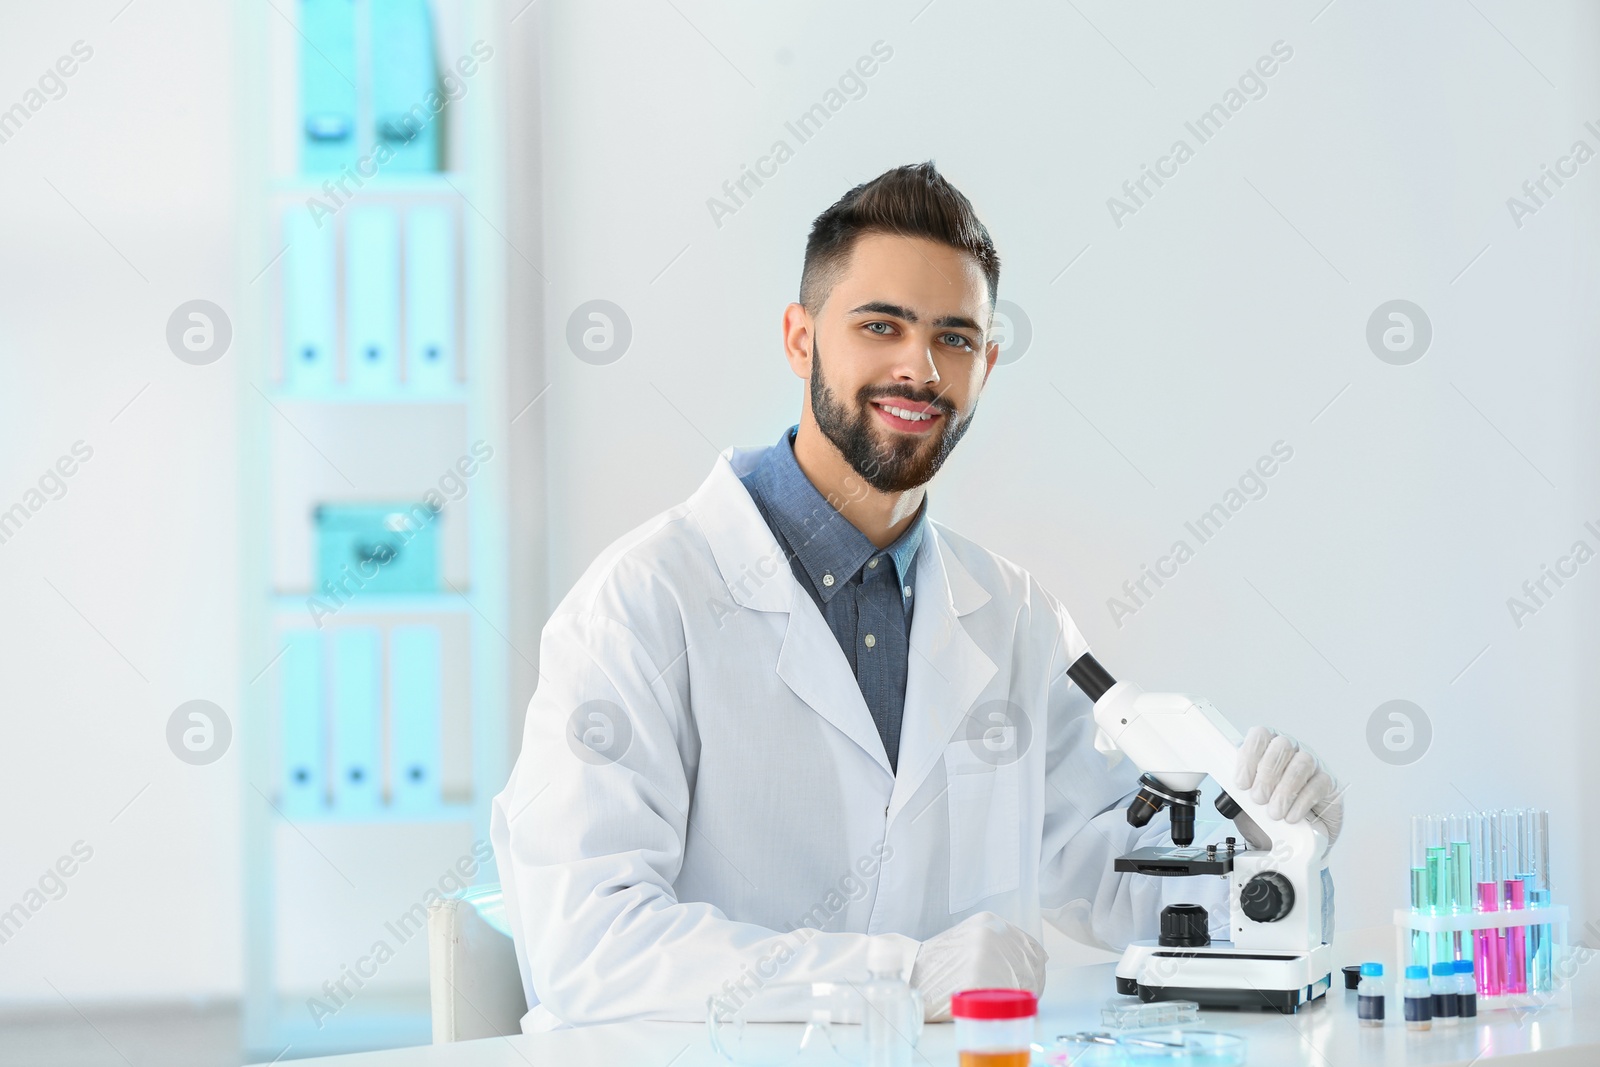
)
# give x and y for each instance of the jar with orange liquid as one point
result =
(994, 1027)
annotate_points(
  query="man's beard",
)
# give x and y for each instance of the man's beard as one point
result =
(907, 461)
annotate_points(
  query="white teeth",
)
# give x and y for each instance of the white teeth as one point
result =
(910, 416)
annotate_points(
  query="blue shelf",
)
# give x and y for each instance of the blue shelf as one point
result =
(438, 183)
(377, 604)
(381, 816)
(457, 396)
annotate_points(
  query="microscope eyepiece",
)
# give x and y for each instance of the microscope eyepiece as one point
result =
(1087, 674)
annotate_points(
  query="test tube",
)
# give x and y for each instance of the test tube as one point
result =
(1421, 895)
(1538, 859)
(1537, 881)
(1515, 900)
(1536, 938)
(1468, 875)
(1488, 947)
(1505, 846)
(1419, 906)
(1516, 939)
(1461, 871)
(1440, 883)
(1437, 874)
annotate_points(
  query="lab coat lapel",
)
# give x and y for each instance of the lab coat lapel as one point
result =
(758, 576)
(814, 666)
(947, 670)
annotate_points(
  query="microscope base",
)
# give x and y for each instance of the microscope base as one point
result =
(1221, 976)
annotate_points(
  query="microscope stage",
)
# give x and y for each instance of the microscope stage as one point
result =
(1172, 861)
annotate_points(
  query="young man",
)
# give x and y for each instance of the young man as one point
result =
(795, 714)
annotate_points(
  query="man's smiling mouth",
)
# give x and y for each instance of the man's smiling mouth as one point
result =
(906, 415)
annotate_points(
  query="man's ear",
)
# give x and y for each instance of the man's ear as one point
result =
(798, 333)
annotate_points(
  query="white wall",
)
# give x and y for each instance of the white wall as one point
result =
(141, 551)
(1222, 317)
(1203, 330)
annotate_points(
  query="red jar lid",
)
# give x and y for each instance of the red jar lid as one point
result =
(994, 1004)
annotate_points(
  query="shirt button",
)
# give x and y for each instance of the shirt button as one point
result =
(908, 590)
(827, 579)
(872, 562)
(871, 640)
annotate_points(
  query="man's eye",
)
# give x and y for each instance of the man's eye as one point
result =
(956, 340)
(874, 327)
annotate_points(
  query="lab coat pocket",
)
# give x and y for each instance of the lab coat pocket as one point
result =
(985, 826)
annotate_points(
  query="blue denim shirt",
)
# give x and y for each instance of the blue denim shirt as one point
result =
(863, 592)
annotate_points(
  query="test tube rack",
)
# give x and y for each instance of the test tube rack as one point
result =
(1507, 926)
(1480, 891)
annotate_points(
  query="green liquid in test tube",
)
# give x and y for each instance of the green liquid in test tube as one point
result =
(1461, 866)
(1438, 882)
(1421, 892)
(1440, 878)
(1419, 906)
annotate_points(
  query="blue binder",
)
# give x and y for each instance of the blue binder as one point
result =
(309, 295)
(430, 299)
(403, 77)
(303, 782)
(357, 720)
(328, 98)
(415, 688)
(372, 299)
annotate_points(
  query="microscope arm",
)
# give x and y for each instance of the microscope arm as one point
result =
(1180, 741)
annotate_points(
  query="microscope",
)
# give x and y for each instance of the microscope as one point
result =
(1280, 899)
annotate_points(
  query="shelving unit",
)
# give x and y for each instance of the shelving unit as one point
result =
(372, 329)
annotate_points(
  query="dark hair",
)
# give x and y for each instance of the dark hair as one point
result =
(914, 200)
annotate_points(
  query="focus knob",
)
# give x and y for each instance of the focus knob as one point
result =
(1184, 926)
(1267, 897)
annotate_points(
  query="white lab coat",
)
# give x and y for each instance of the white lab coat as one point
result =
(743, 800)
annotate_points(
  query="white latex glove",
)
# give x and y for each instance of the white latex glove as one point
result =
(1285, 776)
(982, 951)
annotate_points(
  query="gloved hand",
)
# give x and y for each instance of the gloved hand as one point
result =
(983, 951)
(1286, 777)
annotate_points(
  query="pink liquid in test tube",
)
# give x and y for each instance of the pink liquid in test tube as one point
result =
(1491, 947)
(1516, 967)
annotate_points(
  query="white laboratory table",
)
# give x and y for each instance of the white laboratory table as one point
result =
(1324, 1034)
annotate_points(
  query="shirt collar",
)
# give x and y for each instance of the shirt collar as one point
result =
(824, 540)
